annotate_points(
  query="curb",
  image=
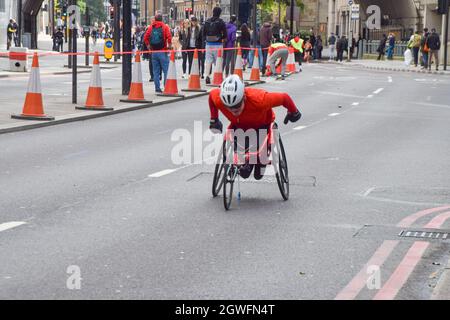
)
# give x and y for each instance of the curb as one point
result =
(27, 74)
(100, 114)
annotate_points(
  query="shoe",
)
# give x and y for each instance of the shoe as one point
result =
(203, 77)
(259, 171)
(151, 80)
(158, 91)
(183, 76)
(207, 80)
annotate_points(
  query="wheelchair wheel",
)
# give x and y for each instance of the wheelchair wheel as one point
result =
(281, 169)
(230, 173)
(218, 171)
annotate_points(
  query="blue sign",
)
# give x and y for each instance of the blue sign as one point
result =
(109, 44)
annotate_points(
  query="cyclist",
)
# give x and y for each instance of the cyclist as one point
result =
(248, 108)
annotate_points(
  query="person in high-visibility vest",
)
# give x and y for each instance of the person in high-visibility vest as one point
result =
(297, 44)
(277, 51)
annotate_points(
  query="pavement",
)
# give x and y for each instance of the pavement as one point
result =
(100, 209)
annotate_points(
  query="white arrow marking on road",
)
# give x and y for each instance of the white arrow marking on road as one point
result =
(10, 225)
(333, 114)
(378, 90)
(161, 173)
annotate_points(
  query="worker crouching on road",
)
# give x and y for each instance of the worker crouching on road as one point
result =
(277, 51)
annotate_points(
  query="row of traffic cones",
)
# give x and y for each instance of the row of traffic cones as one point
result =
(33, 108)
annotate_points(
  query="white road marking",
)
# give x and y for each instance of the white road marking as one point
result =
(370, 96)
(333, 114)
(300, 127)
(10, 225)
(432, 105)
(340, 94)
(355, 104)
(378, 90)
(161, 173)
(369, 191)
(389, 79)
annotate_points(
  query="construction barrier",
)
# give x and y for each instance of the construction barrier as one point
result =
(136, 94)
(194, 77)
(171, 86)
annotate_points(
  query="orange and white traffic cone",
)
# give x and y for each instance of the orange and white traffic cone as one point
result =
(268, 71)
(290, 66)
(94, 100)
(254, 76)
(171, 86)
(136, 94)
(218, 71)
(33, 108)
(238, 65)
(194, 77)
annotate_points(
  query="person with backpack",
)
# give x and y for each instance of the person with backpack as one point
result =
(230, 43)
(159, 39)
(214, 32)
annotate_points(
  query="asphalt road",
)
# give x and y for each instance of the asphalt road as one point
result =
(97, 195)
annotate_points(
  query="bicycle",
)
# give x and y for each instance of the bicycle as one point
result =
(227, 168)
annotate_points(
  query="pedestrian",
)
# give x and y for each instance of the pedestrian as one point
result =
(229, 52)
(58, 39)
(11, 31)
(297, 43)
(434, 44)
(195, 40)
(352, 48)
(277, 51)
(332, 46)
(319, 47)
(390, 51)
(340, 48)
(215, 33)
(184, 41)
(414, 44)
(159, 39)
(308, 51)
(424, 49)
(265, 38)
(312, 41)
(381, 48)
(245, 43)
(202, 53)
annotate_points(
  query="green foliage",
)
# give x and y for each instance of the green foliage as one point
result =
(96, 9)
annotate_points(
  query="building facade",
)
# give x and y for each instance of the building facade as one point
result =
(8, 10)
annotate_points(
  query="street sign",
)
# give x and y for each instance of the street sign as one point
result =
(108, 49)
(355, 11)
(350, 2)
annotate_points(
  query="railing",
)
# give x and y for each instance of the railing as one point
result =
(371, 46)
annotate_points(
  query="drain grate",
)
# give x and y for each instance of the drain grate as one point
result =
(425, 234)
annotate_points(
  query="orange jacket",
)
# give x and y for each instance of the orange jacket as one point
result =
(258, 105)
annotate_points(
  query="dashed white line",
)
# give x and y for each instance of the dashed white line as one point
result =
(300, 128)
(378, 90)
(389, 79)
(355, 104)
(10, 225)
(161, 173)
(333, 114)
(370, 96)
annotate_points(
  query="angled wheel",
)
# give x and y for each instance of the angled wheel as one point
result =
(230, 173)
(281, 168)
(218, 171)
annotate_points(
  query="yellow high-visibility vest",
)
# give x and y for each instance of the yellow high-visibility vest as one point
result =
(297, 45)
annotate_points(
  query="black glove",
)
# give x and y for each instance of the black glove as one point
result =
(215, 126)
(292, 117)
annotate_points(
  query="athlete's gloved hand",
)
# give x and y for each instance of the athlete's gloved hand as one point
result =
(292, 117)
(215, 126)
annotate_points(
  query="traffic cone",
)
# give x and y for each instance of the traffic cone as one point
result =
(290, 66)
(171, 87)
(238, 65)
(194, 77)
(218, 71)
(136, 94)
(268, 71)
(254, 76)
(33, 108)
(94, 100)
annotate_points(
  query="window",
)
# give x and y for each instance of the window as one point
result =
(2, 6)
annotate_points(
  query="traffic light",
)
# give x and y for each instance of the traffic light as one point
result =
(443, 6)
(111, 13)
(188, 12)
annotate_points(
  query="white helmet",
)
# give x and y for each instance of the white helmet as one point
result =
(232, 91)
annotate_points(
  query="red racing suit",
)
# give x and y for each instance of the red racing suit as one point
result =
(258, 105)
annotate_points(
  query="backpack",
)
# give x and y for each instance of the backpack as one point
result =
(157, 38)
(213, 32)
